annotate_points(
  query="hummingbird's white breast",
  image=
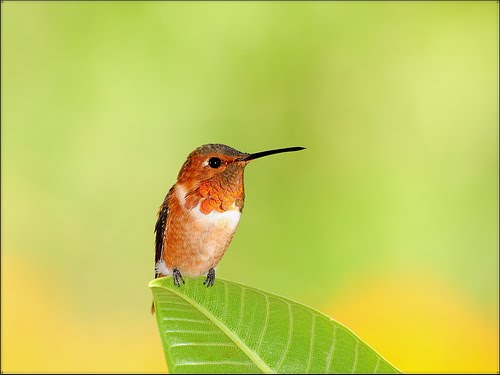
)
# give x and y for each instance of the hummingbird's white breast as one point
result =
(214, 220)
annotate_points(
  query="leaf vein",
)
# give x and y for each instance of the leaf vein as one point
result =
(204, 363)
(259, 343)
(311, 345)
(332, 349)
(376, 365)
(201, 344)
(355, 357)
(289, 339)
(190, 331)
(186, 320)
(240, 318)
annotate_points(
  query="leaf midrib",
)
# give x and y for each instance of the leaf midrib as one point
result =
(252, 355)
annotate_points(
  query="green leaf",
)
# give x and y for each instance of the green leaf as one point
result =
(233, 328)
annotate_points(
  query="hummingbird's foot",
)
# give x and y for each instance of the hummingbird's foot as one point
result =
(209, 281)
(177, 275)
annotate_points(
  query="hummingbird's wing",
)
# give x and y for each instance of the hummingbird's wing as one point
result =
(160, 230)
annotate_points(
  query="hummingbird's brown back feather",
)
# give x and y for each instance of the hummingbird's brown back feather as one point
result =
(160, 228)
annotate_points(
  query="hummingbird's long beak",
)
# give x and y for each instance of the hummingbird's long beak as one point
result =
(270, 152)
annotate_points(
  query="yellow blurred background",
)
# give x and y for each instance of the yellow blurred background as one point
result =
(388, 222)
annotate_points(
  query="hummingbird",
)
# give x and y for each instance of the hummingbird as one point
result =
(200, 213)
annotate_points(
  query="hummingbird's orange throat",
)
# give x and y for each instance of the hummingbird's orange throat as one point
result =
(211, 195)
(214, 189)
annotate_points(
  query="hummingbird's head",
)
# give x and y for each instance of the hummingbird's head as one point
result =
(221, 162)
(212, 160)
(214, 172)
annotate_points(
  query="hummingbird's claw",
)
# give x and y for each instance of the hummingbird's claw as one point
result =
(209, 281)
(177, 275)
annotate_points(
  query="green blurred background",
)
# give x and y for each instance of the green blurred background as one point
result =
(388, 222)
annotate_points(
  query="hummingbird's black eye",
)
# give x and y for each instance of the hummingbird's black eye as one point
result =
(214, 162)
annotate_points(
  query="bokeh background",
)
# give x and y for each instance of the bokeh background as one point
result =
(388, 222)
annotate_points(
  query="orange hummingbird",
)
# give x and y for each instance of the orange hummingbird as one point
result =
(199, 215)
